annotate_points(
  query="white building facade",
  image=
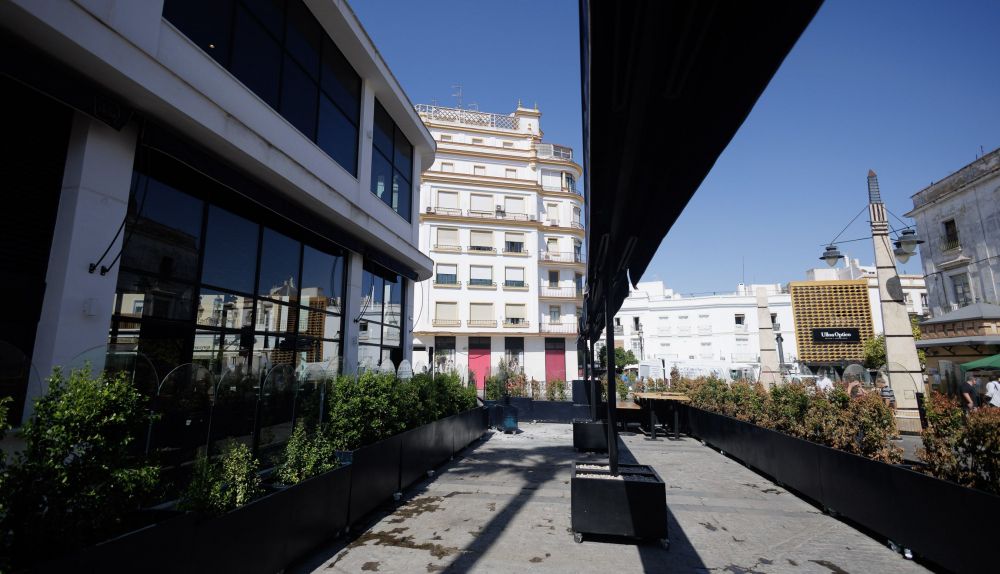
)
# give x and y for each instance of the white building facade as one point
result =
(702, 335)
(959, 220)
(226, 187)
(501, 215)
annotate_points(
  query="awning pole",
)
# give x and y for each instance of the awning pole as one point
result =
(609, 324)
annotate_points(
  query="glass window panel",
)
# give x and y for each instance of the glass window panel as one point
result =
(279, 267)
(381, 178)
(383, 132)
(256, 57)
(369, 355)
(337, 136)
(271, 13)
(340, 82)
(403, 160)
(207, 24)
(277, 318)
(319, 353)
(393, 302)
(219, 309)
(164, 230)
(215, 350)
(401, 191)
(230, 251)
(372, 290)
(318, 324)
(299, 94)
(151, 297)
(391, 336)
(302, 39)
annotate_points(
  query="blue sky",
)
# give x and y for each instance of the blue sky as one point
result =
(910, 89)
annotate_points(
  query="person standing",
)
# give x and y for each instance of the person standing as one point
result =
(824, 383)
(993, 392)
(967, 394)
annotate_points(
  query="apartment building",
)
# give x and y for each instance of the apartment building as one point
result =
(205, 192)
(502, 216)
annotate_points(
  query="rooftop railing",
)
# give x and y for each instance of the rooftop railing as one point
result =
(468, 117)
(554, 151)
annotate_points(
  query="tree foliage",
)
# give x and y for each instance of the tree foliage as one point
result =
(622, 358)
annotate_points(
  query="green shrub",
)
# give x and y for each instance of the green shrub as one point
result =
(960, 448)
(365, 410)
(517, 386)
(749, 402)
(789, 404)
(306, 455)
(711, 395)
(825, 422)
(536, 389)
(494, 388)
(219, 486)
(873, 424)
(555, 390)
(621, 387)
(79, 475)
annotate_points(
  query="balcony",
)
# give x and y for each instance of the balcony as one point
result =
(481, 323)
(446, 247)
(554, 151)
(468, 117)
(516, 323)
(482, 250)
(561, 256)
(561, 292)
(454, 211)
(482, 284)
(562, 328)
(446, 282)
(515, 286)
(446, 323)
(950, 243)
(515, 249)
(560, 189)
(576, 224)
(499, 214)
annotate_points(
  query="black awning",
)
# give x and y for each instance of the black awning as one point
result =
(666, 84)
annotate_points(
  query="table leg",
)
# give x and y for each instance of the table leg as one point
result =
(677, 425)
(652, 421)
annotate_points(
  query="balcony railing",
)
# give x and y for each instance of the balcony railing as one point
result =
(446, 247)
(447, 322)
(514, 249)
(951, 243)
(565, 328)
(568, 292)
(444, 210)
(561, 189)
(576, 224)
(515, 284)
(561, 256)
(450, 281)
(468, 117)
(515, 322)
(481, 283)
(500, 214)
(555, 151)
(482, 323)
(482, 249)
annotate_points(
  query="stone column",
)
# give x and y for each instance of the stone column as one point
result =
(352, 307)
(770, 370)
(902, 363)
(76, 312)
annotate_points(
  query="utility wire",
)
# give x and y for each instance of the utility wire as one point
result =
(849, 224)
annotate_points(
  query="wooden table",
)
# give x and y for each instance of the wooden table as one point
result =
(670, 400)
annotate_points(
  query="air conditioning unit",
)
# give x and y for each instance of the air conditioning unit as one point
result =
(499, 208)
(429, 209)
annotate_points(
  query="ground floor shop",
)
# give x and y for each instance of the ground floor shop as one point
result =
(477, 357)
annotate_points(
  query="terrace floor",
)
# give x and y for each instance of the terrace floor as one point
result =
(505, 507)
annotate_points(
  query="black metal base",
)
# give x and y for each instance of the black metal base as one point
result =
(632, 505)
(590, 435)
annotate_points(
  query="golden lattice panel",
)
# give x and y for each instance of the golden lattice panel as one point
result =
(828, 305)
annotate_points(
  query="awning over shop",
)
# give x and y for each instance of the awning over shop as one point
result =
(984, 364)
(665, 87)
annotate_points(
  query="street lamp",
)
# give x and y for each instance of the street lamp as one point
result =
(902, 255)
(831, 255)
(908, 241)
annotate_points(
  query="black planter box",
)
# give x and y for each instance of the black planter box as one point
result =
(590, 435)
(902, 505)
(252, 538)
(375, 476)
(317, 510)
(525, 407)
(618, 506)
(557, 412)
(418, 453)
(581, 392)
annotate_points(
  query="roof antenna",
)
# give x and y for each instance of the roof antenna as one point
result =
(457, 94)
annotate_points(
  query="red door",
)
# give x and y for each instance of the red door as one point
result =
(555, 359)
(479, 359)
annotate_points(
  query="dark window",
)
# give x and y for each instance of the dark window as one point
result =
(164, 230)
(207, 24)
(392, 163)
(384, 308)
(555, 344)
(479, 343)
(950, 234)
(279, 267)
(740, 319)
(256, 57)
(279, 50)
(635, 323)
(230, 251)
(553, 278)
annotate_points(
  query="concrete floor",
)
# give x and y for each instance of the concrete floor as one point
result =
(505, 507)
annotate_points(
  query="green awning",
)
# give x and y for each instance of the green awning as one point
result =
(984, 364)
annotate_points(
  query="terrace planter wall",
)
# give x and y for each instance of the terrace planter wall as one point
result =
(540, 411)
(916, 511)
(283, 526)
(618, 506)
(590, 435)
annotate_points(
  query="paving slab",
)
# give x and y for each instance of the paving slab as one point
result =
(504, 506)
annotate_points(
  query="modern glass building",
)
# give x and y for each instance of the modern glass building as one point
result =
(214, 193)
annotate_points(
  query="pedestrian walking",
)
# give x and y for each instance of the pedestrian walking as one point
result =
(993, 392)
(967, 394)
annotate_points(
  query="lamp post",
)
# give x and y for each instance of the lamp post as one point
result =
(779, 339)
